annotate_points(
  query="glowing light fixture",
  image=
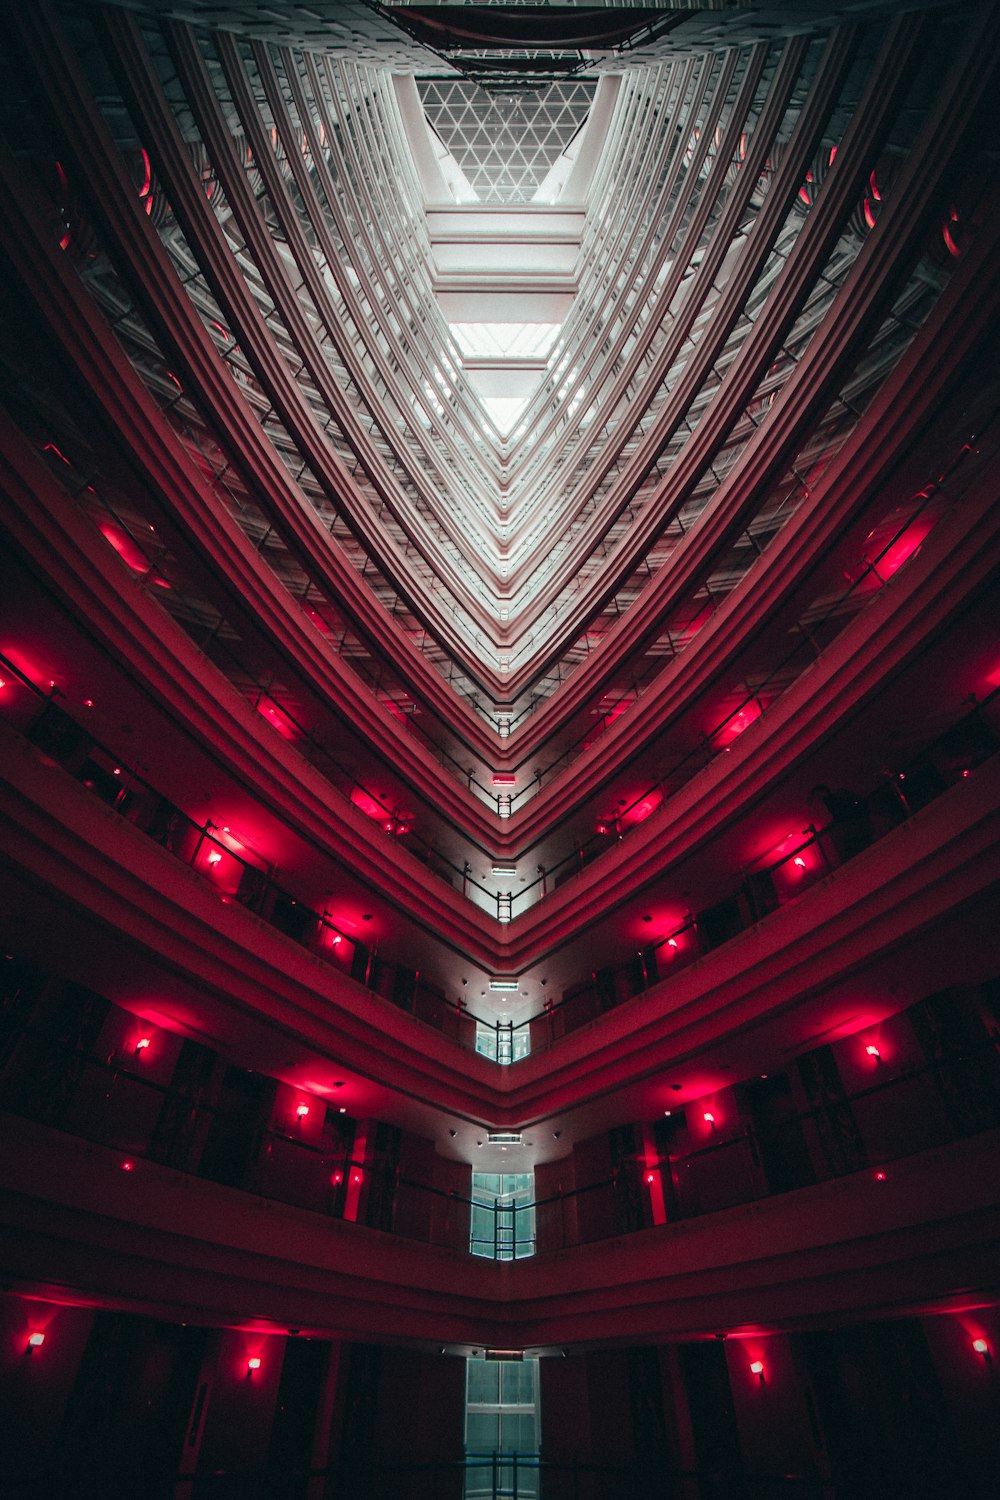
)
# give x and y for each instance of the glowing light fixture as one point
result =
(709, 1118)
(252, 1364)
(214, 858)
(873, 1051)
(983, 1348)
(504, 986)
(142, 1044)
(302, 1111)
(35, 1341)
(757, 1368)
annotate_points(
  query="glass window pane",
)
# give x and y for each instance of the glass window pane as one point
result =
(482, 1432)
(482, 1381)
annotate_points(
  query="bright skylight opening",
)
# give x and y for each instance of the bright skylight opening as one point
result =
(504, 411)
(505, 340)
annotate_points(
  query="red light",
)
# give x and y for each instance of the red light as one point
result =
(377, 810)
(640, 811)
(142, 1044)
(880, 1177)
(337, 1178)
(356, 1178)
(736, 724)
(215, 858)
(88, 702)
(35, 1340)
(906, 545)
(799, 862)
(757, 1368)
(302, 1111)
(672, 943)
(253, 1364)
(128, 1166)
(502, 780)
(128, 550)
(980, 1346)
(873, 1051)
(337, 940)
(650, 1178)
(277, 719)
(708, 1117)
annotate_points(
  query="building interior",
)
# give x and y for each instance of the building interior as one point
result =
(500, 712)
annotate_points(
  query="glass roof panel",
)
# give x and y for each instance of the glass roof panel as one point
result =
(505, 340)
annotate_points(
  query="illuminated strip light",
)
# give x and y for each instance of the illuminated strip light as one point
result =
(504, 869)
(504, 986)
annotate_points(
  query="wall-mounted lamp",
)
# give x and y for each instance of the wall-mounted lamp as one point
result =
(214, 857)
(35, 1341)
(873, 1052)
(983, 1348)
(799, 862)
(709, 1118)
(142, 1044)
(252, 1364)
(650, 1178)
(302, 1111)
(757, 1368)
(672, 943)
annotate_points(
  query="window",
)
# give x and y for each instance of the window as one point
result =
(503, 1215)
(504, 1042)
(501, 1421)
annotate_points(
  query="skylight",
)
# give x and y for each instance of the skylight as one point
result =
(505, 340)
(504, 411)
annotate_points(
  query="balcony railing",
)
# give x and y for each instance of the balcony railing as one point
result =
(239, 876)
(54, 1077)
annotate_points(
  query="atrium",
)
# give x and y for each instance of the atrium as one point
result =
(500, 713)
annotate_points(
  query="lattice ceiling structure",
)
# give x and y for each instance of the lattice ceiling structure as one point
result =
(505, 146)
